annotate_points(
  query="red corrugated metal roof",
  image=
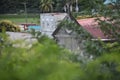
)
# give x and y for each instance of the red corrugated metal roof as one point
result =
(92, 27)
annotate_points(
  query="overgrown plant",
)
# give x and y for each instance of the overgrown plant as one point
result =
(95, 48)
(43, 61)
(105, 67)
(8, 26)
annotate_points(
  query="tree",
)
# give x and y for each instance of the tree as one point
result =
(111, 24)
(105, 67)
(46, 5)
(59, 5)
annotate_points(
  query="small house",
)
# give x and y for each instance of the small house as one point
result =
(75, 42)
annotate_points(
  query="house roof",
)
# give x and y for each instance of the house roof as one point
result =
(91, 26)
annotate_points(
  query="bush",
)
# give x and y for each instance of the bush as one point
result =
(8, 26)
(43, 61)
(106, 67)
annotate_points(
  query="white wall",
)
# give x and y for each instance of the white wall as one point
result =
(49, 22)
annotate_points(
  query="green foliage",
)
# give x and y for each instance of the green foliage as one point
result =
(72, 25)
(105, 67)
(110, 27)
(29, 15)
(94, 48)
(43, 61)
(91, 47)
(46, 5)
(20, 18)
(47, 61)
(4, 41)
(8, 26)
(84, 14)
(115, 46)
(110, 24)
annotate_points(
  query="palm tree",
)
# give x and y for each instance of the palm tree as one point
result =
(46, 5)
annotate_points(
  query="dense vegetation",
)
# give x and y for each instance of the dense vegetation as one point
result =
(45, 60)
(8, 26)
(36, 6)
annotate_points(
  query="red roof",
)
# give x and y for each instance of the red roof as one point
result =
(91, 26)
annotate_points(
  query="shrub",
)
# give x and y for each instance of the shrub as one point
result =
(8, 26)
(106, 67)
(43, 61)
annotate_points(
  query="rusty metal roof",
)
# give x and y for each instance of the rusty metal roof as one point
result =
(91, 26)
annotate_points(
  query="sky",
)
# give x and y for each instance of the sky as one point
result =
(109, 1)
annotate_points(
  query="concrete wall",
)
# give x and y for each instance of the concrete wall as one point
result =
(49, 22)
(68, 41)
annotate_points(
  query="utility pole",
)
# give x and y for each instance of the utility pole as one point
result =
(25, 12)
